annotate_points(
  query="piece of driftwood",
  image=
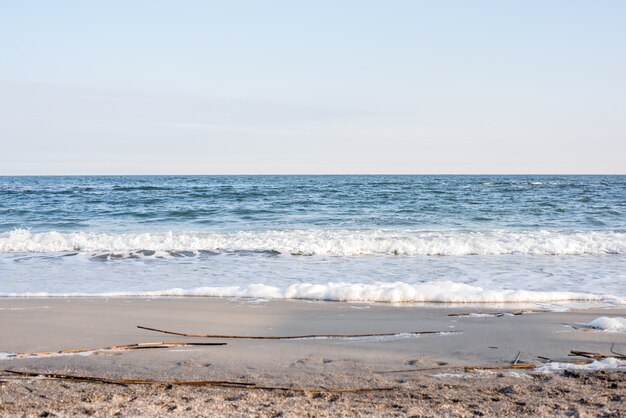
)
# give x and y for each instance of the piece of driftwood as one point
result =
(137, 346)
(425, 369)
(216, 383)
(469, 368)
(129, 381)
(517, 358)
(292, 337)
(322, 390)
(596, 356)
(509, 366)
(420, 369)
(499, 314)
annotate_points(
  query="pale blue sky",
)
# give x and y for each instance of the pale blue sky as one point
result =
(131, 87)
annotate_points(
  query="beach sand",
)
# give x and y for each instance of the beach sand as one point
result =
(441, 387)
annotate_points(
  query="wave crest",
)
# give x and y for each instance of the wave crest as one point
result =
(325, 242)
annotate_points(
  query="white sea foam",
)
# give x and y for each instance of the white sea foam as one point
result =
(614, 324)
(324, 242)
(397, 292)
(604, 364)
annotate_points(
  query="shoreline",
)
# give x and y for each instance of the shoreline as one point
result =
(556, 305)
(435, 361)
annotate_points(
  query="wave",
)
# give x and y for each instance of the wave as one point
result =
(397, 292)
(324, 242)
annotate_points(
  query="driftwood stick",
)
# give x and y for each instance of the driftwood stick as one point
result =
(468, 368)
(161, 344)
(137, 346)
(292, 337)
(615, 352)
(510, 366)
(517, 358)
(499, 314)
(48, 353)
(524, 311)
(423, 369)
(130, 381)
(596, 356)
(217, 383)
(322, 390)
(420, 369)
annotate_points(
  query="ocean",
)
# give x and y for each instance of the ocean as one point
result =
(370, 238)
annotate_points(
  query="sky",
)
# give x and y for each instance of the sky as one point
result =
(308, 87)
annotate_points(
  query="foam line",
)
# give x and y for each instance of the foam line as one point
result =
(324, 242)
(397, 292)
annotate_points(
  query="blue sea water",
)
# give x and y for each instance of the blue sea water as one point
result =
(368, 238)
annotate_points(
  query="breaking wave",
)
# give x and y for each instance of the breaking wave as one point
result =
(324, 242)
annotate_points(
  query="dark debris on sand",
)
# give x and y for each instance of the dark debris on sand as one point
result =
(568, 394)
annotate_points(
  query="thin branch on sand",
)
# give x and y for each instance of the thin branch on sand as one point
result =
(597, 356)
(420, 369)
(470, 368)
(615, 352)
(129, 381)
(137, 346)
(508, 366)
(215, 383)
(425, 369)
(499, 314)
(294, 337)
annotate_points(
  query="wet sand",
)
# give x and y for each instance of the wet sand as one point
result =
(30, 325)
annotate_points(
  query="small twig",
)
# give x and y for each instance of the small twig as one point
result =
(596, 356)
(422, 369)
(517, 358)
(615, 352)
(510, 366)
(500, 314)
(162, 344)
(293, 337)
(524, 311)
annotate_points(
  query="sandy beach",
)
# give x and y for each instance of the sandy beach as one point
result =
(412, 374)
(313, 209)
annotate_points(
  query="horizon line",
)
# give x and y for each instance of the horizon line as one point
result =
(306, 174)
